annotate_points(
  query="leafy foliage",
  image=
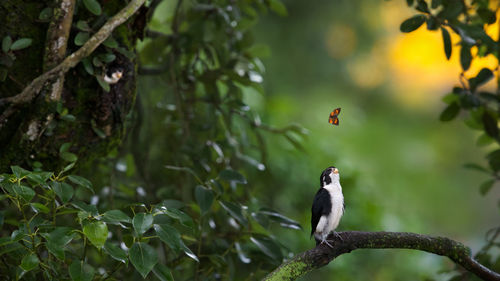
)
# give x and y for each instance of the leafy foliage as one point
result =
(42, 234)
(200, 217)
(9, 50)
(469, 21)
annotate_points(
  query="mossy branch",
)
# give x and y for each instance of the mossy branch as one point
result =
(352, 240)
(30, 92)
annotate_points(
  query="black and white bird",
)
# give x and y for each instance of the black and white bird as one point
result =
(328, 206)
(113, 75)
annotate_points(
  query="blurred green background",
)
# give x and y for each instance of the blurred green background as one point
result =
(401, 168)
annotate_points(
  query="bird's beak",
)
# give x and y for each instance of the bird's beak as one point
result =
(335, 170)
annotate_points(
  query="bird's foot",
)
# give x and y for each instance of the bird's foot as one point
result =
(338, 236)
(326, 242)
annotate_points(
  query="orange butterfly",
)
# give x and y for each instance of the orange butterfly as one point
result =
(333, 119)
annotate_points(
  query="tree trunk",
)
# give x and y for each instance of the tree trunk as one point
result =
(36, 130)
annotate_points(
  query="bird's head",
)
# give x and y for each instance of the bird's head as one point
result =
(329, 175)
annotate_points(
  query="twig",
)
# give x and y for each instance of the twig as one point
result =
(352, 240)
(185, 169)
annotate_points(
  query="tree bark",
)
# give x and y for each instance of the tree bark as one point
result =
(33, 130)
(352, 240)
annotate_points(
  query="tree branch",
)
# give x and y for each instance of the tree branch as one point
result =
(57, 41)
(352, 240)
(72, 60)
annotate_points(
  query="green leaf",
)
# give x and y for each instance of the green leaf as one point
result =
(91, 209)
(412, 23)
(465, 57)
(69, 118)
(188, 252)
(452, 9)
(39, 178)
(80, 271)
(105, 86)
(232, 175)
(179, 215)
(21, 44)
(486, 186)
(97, 62)
(81, 38)
(10, 248)
(142, 222)
(19, 172)
(87, 65)
(68, 156)
(116, 216)
(6, 43)
(268, 247)
(235, 211)
(450, 112)
(204, 198)
(68, 167)
(446, 42)
(63, 190)
(162, 272)
(487, 15)
(494, 160)
(482, 77)
(241, 254)
(489, 96)
(484, 140)
(17, 235)
(25, 192)
(107, 58)
(115, 252)
(110, 42)
(39, 207)
(81, 182)
(93, 6)
(169, 235)
(83, 25)
(56, 240)
(143, 257)
(96, 232)
(278, 7)
(29, 262)
(281, 219)
(45, 14)
(261, 219)
(64, 147)
(477, 167)
(490, 125)
(125, 52)
(422, 6)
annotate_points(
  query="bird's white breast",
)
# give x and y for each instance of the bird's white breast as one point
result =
(331, 221)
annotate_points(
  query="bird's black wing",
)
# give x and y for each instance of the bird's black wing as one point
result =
(322, 205)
